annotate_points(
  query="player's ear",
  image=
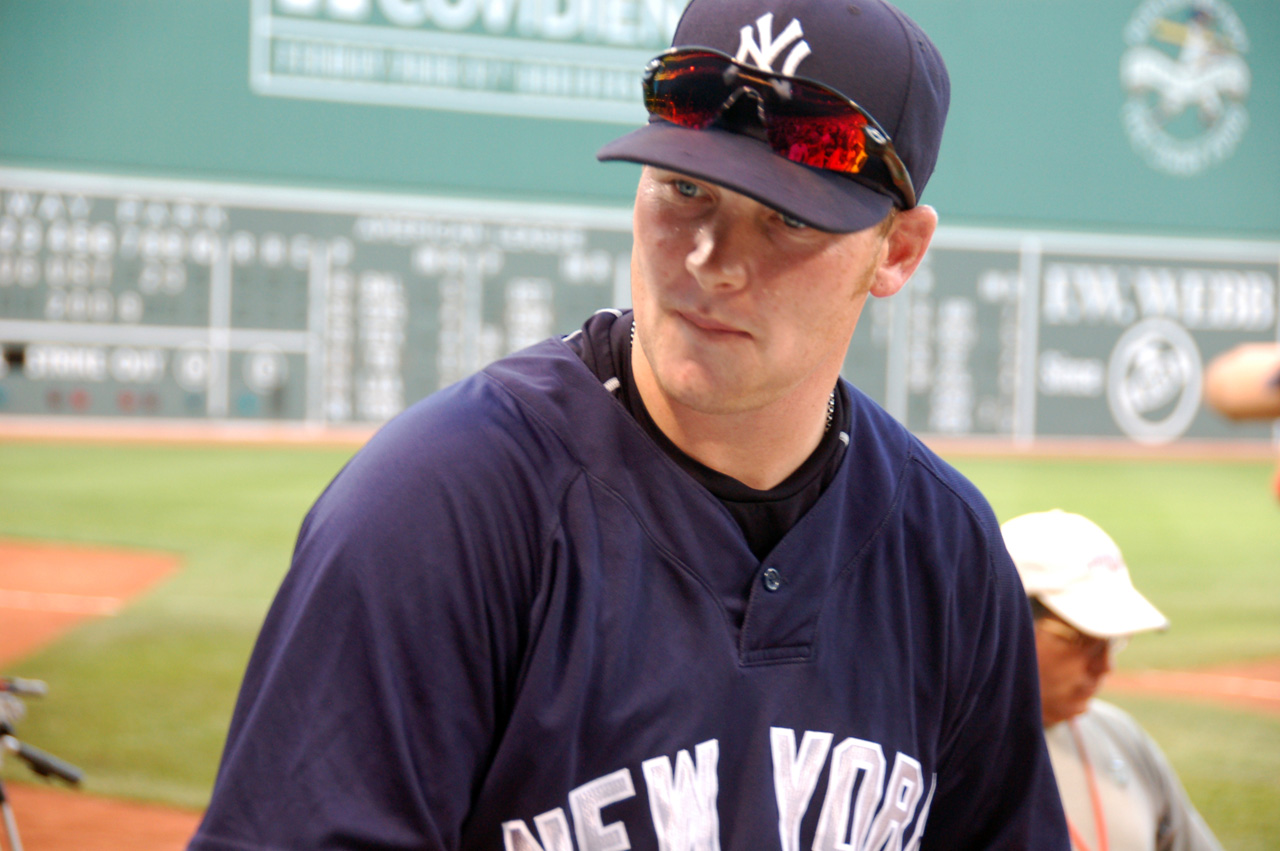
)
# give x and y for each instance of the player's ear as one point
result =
(910, 232)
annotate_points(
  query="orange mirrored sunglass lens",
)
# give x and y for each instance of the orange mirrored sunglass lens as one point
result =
(804, 121)
(836, 144)
(806, 128)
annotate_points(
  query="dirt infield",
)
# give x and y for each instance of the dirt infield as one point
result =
(1255, 686)
(46, 589)
(53, 819)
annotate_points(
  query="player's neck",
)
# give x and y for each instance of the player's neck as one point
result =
(759, 447)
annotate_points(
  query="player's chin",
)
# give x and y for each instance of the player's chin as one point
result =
(711, 388)
(713, 369)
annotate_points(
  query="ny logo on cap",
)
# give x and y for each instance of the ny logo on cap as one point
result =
(763, 52)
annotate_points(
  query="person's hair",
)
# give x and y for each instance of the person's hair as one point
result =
(887, 222)
(1039, 610)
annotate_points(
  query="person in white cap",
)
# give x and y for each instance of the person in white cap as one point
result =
(1118, 790)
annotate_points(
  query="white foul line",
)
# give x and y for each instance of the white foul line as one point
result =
(76, 604)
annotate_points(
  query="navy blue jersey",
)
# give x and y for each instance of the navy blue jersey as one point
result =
(507, 626)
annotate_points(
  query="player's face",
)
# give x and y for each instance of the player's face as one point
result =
(1072, 667)
(737, 306)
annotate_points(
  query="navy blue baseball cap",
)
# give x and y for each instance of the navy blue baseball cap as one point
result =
(867, 50)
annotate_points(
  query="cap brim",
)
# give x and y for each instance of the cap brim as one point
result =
(1106, 613)
(821, 199)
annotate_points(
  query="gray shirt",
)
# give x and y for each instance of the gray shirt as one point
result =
(1144, 807)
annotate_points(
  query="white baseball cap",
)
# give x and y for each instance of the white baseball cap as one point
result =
(1074, 568)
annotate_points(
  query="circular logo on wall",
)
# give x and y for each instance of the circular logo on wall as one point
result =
(1154, 381)
(1186, 80)
(265, 369)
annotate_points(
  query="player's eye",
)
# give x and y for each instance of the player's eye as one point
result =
(687, 188)
(792, 221)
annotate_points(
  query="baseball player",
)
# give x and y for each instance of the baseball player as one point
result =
(669, 582)
(1118, 790)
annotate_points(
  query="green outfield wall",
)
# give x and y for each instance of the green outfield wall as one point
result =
(319, 211)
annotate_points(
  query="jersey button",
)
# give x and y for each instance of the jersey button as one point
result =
(772, 579)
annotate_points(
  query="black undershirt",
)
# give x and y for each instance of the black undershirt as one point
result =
(765, 516)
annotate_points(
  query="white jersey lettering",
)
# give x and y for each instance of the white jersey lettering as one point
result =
(588, 800)
(861, 809)
(851, 758)
(795, 776)
(553, 829)
(683, 802)
(916, 835)
(904, 791)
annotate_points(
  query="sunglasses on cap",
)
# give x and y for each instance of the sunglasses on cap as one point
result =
(804, 121)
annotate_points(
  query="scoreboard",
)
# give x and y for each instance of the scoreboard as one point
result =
(127, 297)
(1026, 334)
(147, 298)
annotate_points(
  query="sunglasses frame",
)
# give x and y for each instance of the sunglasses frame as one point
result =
(1085, 643)
(756, 81)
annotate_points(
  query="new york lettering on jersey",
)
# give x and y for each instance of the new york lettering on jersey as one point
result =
(861, 809)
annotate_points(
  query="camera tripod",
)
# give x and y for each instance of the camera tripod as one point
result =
(12, 690)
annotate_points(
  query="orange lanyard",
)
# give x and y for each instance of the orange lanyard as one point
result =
(1099, 821)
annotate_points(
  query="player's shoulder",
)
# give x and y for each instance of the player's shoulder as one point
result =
(503, 427)
(924, 482)
(947, 524)
(523, 399)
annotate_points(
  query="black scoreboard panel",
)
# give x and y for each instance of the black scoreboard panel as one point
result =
(128, 297)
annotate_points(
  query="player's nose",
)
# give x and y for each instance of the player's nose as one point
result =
(720, 258)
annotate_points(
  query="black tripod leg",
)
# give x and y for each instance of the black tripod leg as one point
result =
(10, 826)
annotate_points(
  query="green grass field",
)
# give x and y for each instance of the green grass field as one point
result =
(141, 701)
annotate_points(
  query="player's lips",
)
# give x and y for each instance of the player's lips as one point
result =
(710, 326)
